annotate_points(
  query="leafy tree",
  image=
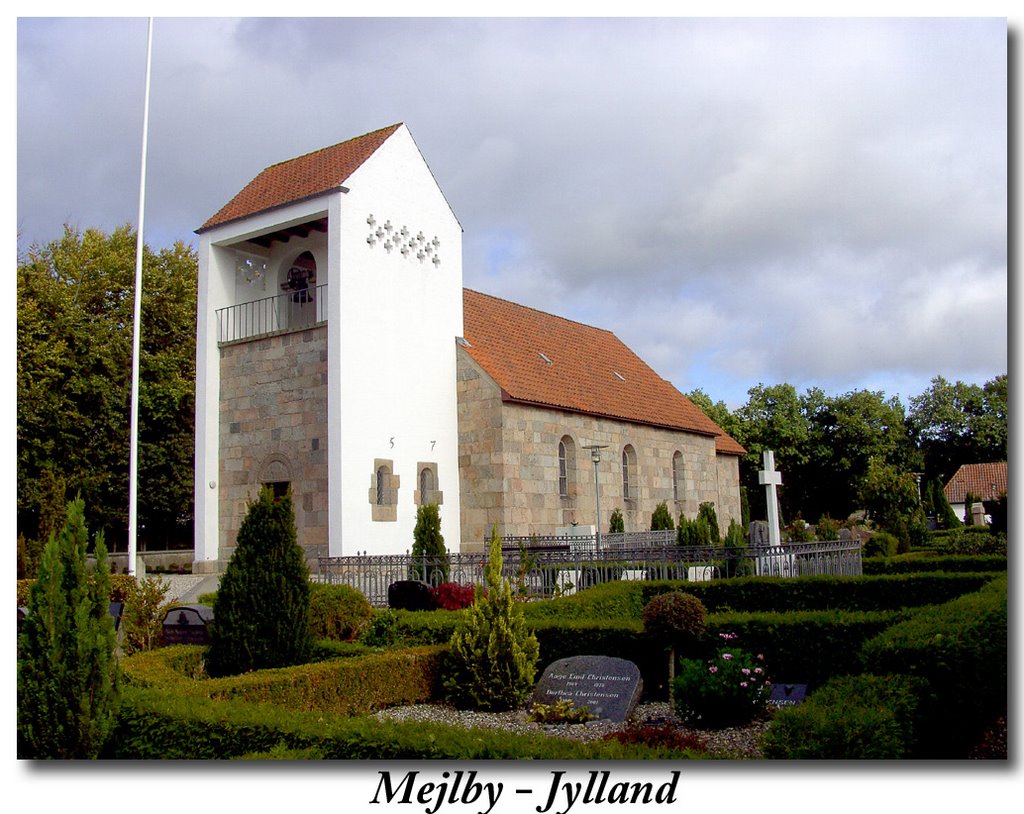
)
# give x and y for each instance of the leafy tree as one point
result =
(428, 544)
(492, 656)
(67, 674)
(261, 613)
(893, 503)
(717, 411)
(74, 322)
(661, 518)
(144, 610)
(955, 423)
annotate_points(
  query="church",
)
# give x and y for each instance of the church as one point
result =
(339, 356)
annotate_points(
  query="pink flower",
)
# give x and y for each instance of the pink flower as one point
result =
(743, 684)
(745, 671)
(712, 669)
(758, 670)
(760, 656)
(727, 656)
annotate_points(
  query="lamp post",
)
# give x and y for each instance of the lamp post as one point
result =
(595, 456)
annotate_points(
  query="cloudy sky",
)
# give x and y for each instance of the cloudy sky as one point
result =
(814, 201)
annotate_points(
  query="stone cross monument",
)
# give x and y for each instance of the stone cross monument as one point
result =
(770, 479)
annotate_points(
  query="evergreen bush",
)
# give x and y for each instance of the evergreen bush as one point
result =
(493, 657)
(337, 612)
(67, 675)
(706, 511)
(428, 544)
(616, 524)
(261, 614)
(661, 518)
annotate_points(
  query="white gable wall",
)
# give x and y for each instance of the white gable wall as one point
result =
(395, 397)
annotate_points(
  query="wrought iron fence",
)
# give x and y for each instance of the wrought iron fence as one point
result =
(296, 309)
(559, 569)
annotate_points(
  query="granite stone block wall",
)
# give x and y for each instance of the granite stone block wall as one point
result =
(273, 429)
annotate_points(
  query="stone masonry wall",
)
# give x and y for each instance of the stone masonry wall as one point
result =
(509, 467)
(273, 428)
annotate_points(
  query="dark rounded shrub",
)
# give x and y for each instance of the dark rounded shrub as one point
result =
(675, 617)
(337, 612)
(881, 544)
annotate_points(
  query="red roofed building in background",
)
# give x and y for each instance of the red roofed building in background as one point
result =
(982, 481)
(339, 357)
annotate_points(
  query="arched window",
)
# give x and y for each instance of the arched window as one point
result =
(677, 477)
(300, 286)
(630, 487)
(428, 490)
(383, 491)
(566, 467)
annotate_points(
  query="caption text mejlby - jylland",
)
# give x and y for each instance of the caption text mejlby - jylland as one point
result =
(465, 788)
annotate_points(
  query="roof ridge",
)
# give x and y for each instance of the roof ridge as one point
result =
(311, 153)
(542, 312)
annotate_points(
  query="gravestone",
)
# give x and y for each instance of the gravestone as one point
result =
(411, 594)
(787, 695)
(758, 534)
(609, 687)
(187, 624)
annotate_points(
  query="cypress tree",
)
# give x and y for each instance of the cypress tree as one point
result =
(67, 674)
(661, 519)
(492, 656)
(428, 543)
(261, 614)
(707, 511)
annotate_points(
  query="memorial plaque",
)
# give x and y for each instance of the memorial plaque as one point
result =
(187, 624)
(787, 695)
(609, 687)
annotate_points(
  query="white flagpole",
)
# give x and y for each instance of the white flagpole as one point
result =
(133, 467)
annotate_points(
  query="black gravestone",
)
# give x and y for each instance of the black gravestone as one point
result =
(787, 695)
(608, 687)
(411, 594)
(187, 624)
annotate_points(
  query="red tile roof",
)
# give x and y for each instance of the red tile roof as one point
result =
(537, 358)
(984, 481)
(301, 178)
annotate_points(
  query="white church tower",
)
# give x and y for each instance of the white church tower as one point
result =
(330, 298)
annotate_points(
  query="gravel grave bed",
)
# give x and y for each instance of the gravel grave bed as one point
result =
(740, 742)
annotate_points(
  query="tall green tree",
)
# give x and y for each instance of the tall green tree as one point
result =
(956, 423)
(67, 673)
(428, 544)
(261, 614)
(893, 502)
(74, 324)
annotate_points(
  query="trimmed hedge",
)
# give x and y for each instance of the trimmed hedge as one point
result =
(626, 599)
(960, 648)
(864, 717)
(157, 725)
(874, 566)
(347, 686)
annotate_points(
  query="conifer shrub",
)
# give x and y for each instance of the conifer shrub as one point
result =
(661, 518)
(68, 678)
(737, 563)
(337, 612)
(428, 544)
(492, 655)
(616, 524)
(261, 614)
(706, 511)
